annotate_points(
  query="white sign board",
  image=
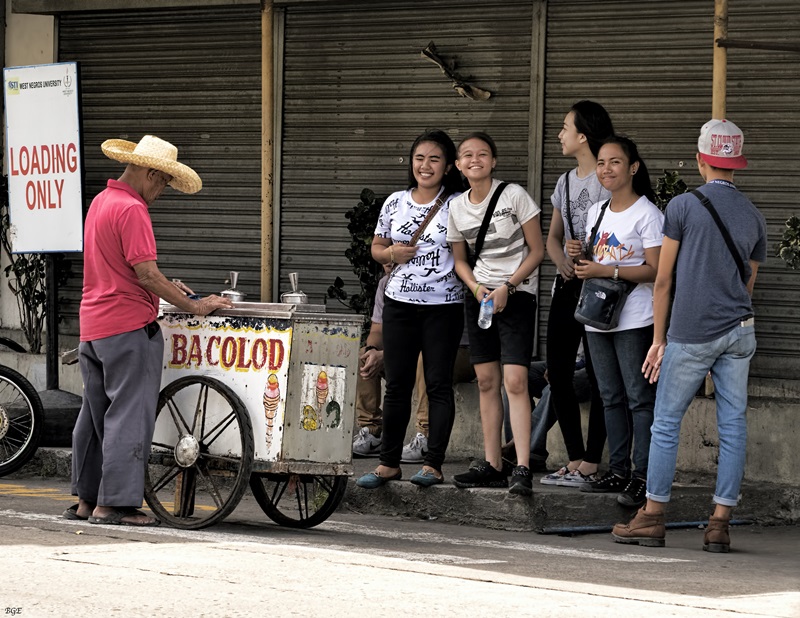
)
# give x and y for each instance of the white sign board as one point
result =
(43, 156)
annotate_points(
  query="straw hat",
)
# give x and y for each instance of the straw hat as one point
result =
(155, 153)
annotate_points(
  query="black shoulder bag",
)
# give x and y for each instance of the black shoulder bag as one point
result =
(602, 299)
(472, 258)
(724, 231)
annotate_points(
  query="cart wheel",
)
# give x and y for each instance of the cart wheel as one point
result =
(195, 476)
(21, 421)
(298, 500)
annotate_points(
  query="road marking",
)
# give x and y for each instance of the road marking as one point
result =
(432, 537)
(228, 538)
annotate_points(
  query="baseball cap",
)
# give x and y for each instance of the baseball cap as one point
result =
(720, 144)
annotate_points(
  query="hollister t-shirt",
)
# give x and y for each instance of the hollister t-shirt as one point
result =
(429, 277)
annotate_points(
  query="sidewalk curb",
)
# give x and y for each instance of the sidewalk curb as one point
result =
(550, 509)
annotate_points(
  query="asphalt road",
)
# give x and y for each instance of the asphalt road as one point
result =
(357, 564)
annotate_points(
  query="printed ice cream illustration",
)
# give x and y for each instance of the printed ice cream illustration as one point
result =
(310, 419)
(322, 390)
(272, 397)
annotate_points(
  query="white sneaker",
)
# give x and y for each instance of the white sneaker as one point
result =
(415, 451)
(576, 479)
(365, 444)
(554, 477)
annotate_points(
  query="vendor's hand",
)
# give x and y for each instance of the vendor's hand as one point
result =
(182, 287)
(574, 248)
(586, 269)
(566, 269)
(500, 298)
(206, 305)
(403, 253)
(652, 362)
(371, 364)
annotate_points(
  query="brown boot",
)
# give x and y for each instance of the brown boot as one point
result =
(717, 538)
(646, 529)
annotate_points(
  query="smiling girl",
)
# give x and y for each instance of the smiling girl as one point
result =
(625, 245)
(505, 273)
(423, 308)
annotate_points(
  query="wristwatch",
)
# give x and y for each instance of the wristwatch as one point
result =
(616, 273)
(369, 347)
(511, 287)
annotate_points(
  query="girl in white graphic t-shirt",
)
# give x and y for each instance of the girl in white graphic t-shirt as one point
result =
(505, 272)
(423, 309)
(626, 245)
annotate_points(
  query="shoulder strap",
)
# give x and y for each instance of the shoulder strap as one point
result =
(431, 214)
(487, 217)
(590, 245)
(568, 212)
(724, 231)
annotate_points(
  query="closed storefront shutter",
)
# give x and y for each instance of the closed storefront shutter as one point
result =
(357, 92)
(650, 65)
(192, 77)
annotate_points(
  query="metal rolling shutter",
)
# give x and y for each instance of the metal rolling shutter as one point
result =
(650, 64)
(356, 93)
(192, 77)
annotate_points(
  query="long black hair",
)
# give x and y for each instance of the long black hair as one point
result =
(593, 121)
(452, 181)
(641, 179)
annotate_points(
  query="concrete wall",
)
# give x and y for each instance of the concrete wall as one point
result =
(773, 436)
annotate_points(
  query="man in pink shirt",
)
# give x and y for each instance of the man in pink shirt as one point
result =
(121, 345)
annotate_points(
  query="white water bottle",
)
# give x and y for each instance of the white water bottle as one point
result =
(485, 314)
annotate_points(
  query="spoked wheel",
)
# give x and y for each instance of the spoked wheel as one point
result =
(298, 500)
(21, 421)
(202, 453)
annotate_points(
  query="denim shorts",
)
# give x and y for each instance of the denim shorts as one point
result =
(510, 337)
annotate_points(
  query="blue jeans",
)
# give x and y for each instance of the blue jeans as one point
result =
(628, 398)
(683, 370)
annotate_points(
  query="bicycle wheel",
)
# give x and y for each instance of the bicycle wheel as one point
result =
(298, 500)
(21, 421)
(202, 453)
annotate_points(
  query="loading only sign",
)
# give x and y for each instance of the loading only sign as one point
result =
(43, 155)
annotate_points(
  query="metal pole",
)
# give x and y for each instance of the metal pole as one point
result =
(267, 148)
(51, 306)
(719, 78)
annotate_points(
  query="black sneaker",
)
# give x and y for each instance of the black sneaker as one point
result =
(634, 493)
(481, 474)
(521, 482)
(609, 483)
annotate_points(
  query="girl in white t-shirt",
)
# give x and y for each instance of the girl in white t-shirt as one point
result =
(505, 273)
(625, 245)
(423, 309)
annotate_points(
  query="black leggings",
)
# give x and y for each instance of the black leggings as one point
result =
(564, 334)
(435, 330)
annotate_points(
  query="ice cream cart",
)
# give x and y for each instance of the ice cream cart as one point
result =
(261, 394)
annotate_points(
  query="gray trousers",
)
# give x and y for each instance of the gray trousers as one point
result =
(112, 436)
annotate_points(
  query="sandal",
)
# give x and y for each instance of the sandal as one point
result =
(117, 516)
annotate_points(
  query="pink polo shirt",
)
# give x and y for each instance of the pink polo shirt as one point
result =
(118, 234)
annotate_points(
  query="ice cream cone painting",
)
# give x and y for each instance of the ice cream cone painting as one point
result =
(272, 397)
(323, 392)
